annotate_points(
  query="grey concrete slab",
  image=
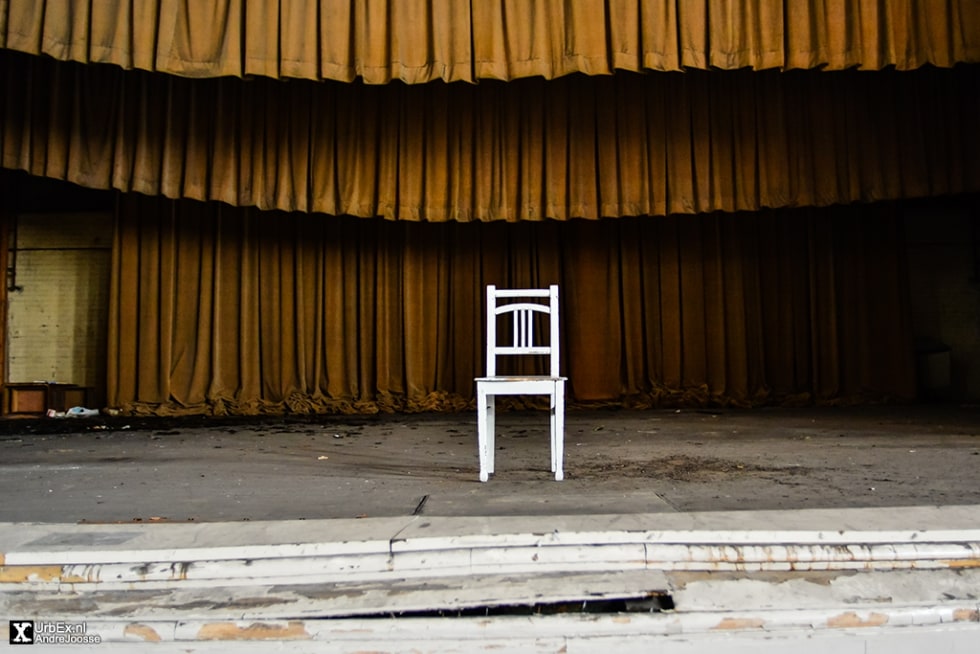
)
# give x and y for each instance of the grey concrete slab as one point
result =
(895, 481)
(540, 498)
(946, 537)
(107, 470)
(69, 544)
(721, 591)
(194, 491)
(862, 524)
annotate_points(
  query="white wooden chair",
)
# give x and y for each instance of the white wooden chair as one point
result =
(522, 344)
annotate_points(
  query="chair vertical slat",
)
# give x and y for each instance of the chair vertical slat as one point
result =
(529, 341)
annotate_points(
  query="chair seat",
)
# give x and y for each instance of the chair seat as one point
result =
(511, 378)
(520, 384)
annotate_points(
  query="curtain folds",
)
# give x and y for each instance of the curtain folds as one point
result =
(216, 309)
(418, 41)
(578, 146)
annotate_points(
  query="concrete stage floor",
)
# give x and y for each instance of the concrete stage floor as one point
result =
(617, 461)
(851, 530)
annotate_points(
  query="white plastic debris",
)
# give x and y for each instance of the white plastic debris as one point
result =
(81, 412)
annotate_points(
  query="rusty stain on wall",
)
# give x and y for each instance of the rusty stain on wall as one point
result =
(740, 623)
(852, 619)
(27, 573)
(179, 570)
(294, 630)
(962, 563)
(966, 615)
(146, 632)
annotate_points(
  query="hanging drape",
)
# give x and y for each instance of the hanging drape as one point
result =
(578, 146)
(218, 309)
(423, 40)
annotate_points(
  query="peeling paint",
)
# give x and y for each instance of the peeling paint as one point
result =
(22, 573)
(852, 619)
(966, 615)
(294, 630)
(34, 573)
(961, 563)
(142, 631)
(89, 574)
(740, 623)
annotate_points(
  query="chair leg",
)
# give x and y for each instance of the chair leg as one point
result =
(491, 432)
(559, 430)
(553, 426)
(481, 430)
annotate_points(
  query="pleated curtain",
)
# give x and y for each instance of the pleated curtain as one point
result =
(575, 147)
(313, 195)
(419, 41)
(218, 309)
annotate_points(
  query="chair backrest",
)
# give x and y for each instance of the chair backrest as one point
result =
(508, 301)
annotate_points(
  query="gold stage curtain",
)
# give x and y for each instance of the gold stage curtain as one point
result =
(216, 309)
(424, 40)
(579, 146)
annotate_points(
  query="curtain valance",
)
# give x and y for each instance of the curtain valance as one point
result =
(423, 40)
(532, 149)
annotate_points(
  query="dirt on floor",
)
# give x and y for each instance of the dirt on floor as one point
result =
(120, 468)
(685, 468)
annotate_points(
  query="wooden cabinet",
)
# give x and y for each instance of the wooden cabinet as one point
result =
(37, 398)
